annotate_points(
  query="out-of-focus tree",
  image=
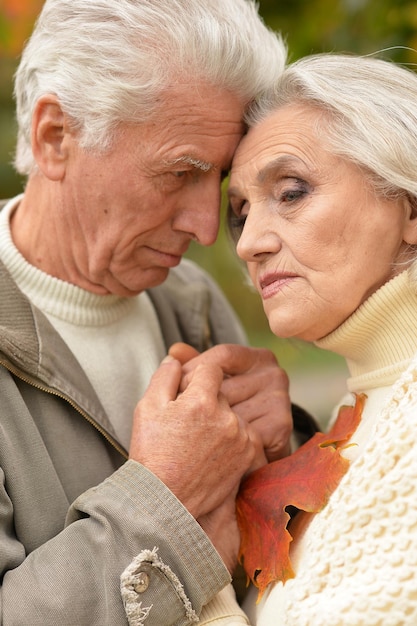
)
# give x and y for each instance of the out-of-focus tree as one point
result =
(16, 22)
(309, 26)
(360, 26)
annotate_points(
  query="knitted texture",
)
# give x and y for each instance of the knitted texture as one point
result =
(359, 557)
(356, 562)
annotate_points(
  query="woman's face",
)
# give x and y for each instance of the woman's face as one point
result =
(316, 239)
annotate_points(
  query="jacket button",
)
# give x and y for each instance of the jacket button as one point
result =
(142, 582)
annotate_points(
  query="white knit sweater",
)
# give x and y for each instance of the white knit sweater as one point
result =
(356, 563)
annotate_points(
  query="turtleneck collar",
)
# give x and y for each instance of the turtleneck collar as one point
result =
(53, 296)
(380, 338)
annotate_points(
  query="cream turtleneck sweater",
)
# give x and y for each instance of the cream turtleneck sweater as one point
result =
(356, 561)
(107, 334)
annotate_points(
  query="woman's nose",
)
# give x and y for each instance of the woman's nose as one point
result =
(258, 236)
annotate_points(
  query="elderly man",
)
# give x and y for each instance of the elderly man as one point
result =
(113, 512)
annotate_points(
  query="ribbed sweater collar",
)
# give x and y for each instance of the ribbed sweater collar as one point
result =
(380, 338)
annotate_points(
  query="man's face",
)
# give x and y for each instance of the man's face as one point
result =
(130, 214)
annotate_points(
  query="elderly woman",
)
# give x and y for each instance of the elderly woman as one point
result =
(323, 199)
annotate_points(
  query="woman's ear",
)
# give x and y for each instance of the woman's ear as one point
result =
(410, 223)
(49, 129)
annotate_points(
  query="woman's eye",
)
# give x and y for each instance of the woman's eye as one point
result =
(235, 223)
(293, 193)
(290, 196)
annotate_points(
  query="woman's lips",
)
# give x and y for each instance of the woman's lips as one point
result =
(270, 284)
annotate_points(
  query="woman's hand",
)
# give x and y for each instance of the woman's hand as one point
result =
(255, 386)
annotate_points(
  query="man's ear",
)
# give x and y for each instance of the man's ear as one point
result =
(49, 130)
(410, 224)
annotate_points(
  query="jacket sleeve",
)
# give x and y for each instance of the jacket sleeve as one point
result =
(130, 523)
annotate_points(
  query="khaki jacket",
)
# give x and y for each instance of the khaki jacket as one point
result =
(88, 537)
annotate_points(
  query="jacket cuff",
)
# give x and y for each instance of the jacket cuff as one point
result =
(147, 570)
(177, 569)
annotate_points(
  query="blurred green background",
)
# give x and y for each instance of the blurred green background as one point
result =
(309, 26)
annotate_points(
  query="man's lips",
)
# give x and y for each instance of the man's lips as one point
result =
(167, 259)
(273, 282)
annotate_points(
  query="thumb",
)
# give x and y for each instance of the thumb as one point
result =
(165, 382)
(183, 352)
(206, 379)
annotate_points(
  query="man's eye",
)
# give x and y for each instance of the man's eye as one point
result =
(179, 173)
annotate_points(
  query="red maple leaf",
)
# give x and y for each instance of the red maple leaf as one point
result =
(305, 480)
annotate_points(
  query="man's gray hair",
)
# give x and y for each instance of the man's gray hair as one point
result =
(110, 61)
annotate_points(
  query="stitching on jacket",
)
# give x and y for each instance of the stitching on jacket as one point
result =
(137, 614)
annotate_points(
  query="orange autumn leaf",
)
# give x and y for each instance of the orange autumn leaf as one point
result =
(305, 480)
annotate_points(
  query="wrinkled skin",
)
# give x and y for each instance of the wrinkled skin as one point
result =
(115, 223)
(310, 225)
(218, 414)
(255, 387)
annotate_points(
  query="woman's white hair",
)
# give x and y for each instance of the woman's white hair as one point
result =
(369, 114)
(369, 108)
(109, 61)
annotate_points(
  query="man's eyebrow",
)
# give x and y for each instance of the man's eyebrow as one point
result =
(204, 166)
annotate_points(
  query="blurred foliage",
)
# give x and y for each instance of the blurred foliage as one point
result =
(309, 26)
(360, 26)
(16, 22)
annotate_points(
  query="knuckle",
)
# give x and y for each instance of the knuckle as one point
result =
(281, 379)
(221, 352)
(268, 356)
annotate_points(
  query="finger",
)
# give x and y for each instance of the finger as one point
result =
(275, 436)
(207, 378)
(183, 352)
(260, 458)
(165, 382)
(267, 384)
(240, 388)
(233, 358)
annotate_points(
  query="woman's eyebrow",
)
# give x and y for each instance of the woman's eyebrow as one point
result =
(269, 170)
(273, 166)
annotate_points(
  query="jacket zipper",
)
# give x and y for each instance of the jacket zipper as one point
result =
(53, 392)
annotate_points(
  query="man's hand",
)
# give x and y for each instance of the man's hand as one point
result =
(254, 385)
(193, 441)
(221, 527)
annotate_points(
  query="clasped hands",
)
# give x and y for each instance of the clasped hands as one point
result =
(205, 421)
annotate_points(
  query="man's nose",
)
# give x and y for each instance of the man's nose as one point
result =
(199, 214)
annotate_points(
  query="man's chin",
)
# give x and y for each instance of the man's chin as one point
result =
(149, 278)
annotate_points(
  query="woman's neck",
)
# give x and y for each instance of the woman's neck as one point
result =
(380, 338)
